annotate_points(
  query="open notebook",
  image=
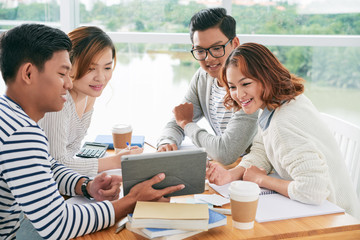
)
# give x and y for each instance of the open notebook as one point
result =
(224, 190)
(273, 206)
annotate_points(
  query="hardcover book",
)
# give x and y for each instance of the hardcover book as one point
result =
(170, 215)
(215, 220)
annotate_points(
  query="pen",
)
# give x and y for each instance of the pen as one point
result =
(150, 145)
(222, 210)
(208, 162)
(128, 146)
(121, 224)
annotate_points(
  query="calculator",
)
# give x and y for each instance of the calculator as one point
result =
(92, 150)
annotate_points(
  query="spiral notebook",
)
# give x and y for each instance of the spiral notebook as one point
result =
(224, 190)
(274, 207)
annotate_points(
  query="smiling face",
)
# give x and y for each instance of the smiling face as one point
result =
(52, 83)
(245, 91)
(100, 72)
(209, 38)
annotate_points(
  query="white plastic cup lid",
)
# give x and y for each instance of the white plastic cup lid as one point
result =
(121, 128)
(244, 188)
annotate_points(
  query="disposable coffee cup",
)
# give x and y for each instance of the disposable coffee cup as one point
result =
(244, 198)
(121, 135)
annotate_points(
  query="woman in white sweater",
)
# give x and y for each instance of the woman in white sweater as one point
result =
(93, 58)
(291, 139)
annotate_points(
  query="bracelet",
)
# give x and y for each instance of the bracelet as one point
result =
(84, 190)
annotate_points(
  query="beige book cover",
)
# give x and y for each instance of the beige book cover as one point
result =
(164, 210)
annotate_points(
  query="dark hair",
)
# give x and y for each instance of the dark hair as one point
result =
(213, 17)
(256, 62)
(88, 43)
(35, 43)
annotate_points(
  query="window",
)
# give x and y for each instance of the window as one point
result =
(316, 17)
(141, 15)
(317, 40)
(13, 13)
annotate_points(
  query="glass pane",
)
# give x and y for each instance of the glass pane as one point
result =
(141, 15)
(13, 13)
(297, 17)
(150, 79)
(332, 77)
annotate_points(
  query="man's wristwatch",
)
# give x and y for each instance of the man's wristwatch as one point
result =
(84, 190)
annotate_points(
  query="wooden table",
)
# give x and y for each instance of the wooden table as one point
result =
(333, 226)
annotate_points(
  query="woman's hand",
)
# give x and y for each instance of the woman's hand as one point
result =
(255, 174)
(217, 174)
(114, 161)
(133, 150)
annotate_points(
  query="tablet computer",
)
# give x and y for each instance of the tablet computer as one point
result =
(180, 167)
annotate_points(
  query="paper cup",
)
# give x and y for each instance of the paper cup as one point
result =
(121, 135)
(244, 198)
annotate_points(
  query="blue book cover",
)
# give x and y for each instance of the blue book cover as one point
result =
(136, 140)
(215, 220)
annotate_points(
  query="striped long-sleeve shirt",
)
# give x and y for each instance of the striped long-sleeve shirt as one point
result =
(65, 132)
(31, 181)
(219, 115)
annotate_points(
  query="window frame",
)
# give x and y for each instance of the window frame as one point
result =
(69, 19)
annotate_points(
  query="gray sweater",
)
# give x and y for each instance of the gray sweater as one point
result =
(226, 148)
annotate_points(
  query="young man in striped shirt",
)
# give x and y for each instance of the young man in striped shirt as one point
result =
(35, 65)
(212, 33)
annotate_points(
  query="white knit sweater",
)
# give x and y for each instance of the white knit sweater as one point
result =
(300, 148)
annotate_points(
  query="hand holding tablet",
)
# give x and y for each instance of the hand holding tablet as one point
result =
(180, 167)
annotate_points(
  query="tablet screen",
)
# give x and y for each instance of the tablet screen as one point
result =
(180, 167)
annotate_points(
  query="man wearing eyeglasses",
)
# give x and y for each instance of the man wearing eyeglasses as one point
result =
(212, 33)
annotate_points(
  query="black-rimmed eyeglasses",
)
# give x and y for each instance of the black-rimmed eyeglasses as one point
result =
(217, 51)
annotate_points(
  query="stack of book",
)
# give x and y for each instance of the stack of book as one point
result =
(172, 220)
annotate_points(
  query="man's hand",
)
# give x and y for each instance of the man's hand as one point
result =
(184, 114)
(145, 192)
(167, 147)
(105, 187)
